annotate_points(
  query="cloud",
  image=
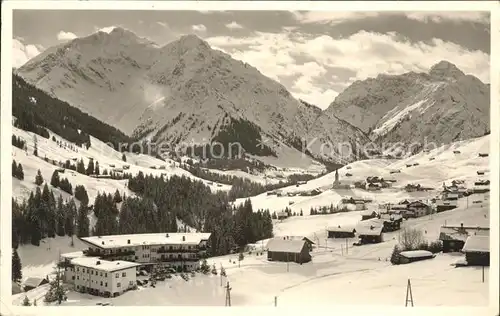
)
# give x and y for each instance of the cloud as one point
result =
(66, 36)
(334, 63)
(233, 25)
(330, 17)
(199, 28)
(21, 53)
(457, 16)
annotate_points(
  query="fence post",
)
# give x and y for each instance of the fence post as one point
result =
(275, 301)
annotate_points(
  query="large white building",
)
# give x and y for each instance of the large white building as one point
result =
(182, 251)
(100, 277)
(109, 265)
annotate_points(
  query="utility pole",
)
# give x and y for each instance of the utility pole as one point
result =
(287, 264)
(483, 273)
(347, 246)
(409, 295)
(228, 295)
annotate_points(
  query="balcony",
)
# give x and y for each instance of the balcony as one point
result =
(167, 250)
(93, 253)
(177, 259)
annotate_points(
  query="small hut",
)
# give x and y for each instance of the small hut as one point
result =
(415, 255)
(370, 231)
(341, 232)
(477, 250)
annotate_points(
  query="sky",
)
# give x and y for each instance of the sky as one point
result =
(314, 54)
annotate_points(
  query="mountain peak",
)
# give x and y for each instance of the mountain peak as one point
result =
(192, 41)
(445, 69)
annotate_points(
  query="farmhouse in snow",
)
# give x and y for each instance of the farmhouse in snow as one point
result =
(33, 282)
(415, 255)
(477, 250)
(368, 215)
(454, 237)
(341, 232)
(370, 231)
(288, 250)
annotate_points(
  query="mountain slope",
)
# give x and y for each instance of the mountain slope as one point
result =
(441, 106)
(185, 92)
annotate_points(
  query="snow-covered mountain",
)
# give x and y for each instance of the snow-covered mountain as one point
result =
(441, 106)
(184, 91)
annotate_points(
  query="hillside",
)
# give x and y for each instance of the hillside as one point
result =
(186, 92)
(441, 106)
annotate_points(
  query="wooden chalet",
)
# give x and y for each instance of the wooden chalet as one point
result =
(419, 208)
(477, 250)
(282, 215)
(456, 152)
(341, 232)
(288, 250)
(33, 283)
(454, 237)
(483, 154)
(391, 222)
(415, 255)
(310, 244)
(370, 231)
(366, 215)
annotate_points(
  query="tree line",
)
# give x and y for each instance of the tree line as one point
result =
(192, 202)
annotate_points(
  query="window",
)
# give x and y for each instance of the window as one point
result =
(117, 275)
(101, 273)
(77, 269)
(92, 272)
(106, 275)
(124, 274)
(78, 277)
(73, 278)
(106, 284)
(101, 283)
(118, 284)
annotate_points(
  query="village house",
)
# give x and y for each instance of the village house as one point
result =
(288, 250)
(373, 186)
(34, 282)
(341, 232)
(477, 250)
(358, 203)
(483, 154)
(100, 277)
(391, 222)
(282, 215)
(448, 201)
(366, 215)
(454, 237)
(415, 255)
(481, 186)
(370, 231)
(181, 251)
(419, 208)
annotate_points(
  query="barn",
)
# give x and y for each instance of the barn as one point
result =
(288, 250)
(32, 283)
(391, 222)
(477, 250)
(415, 255)
(370, 231)
(341, 232)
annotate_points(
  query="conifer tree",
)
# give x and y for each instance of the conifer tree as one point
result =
(395, 255)
(38, 178)
(54, 181)
(70, 217)
(14, 169)
(124, 158)
(80, 168)
(90, 167)
(117, 197)
(60, 216)
(16, 266)
(96, 169)
(20, 172)
(83, 221)
(26, 301)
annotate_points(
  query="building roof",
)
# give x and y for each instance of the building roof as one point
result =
(371, 227)
(280, 244)
(116, 241)
(391, 217)
(103, 265)
(416, 254)
(72, 255)
(477, 243)
(461, 233)
(341, 229)
(34, 281)
(368, 213)
(301, 238)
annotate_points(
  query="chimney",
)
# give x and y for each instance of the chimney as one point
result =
(462, 225)
(128, 241)
(98, 263)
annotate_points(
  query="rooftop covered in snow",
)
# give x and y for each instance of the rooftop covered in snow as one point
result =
(103, 265)
(477, 243)
(416, 254)
(282, 244)
(117, 241)
(372, 227)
